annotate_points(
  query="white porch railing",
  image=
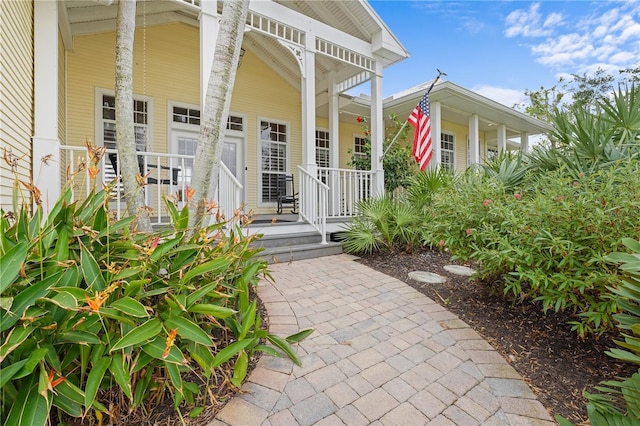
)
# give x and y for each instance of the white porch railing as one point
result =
(347, 188)
(167, 175)
(314, 197)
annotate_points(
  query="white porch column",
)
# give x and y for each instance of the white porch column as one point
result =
(377, 131)
(308, 91)
(45, 138)
(334, 145)
(435, 108)
(524, 142)
(334, 122)
(502, 138)
(474, 140)
(209, 26)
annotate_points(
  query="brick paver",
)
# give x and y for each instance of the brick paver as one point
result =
(381, 354)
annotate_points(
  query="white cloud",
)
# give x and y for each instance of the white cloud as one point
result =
(508, 97)
(528, 23)
(607, 37)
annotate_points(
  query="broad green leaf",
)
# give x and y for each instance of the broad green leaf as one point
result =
(156, 349)
(227, 353)
(32, 362)
(9, 371)
(147, 331)
(91, 271)
(240, 369)
(30, 408)
(188, 330)
(130, 306)
(199, 293)
(94, 380)
(75, 394)
(162, 249)
(10, 264)
(631, 244)
(26, 298)
(15, 338)
(214, 310)
(80, 337)
(269, 350)
(285, 347)
(248, 320)
(299, 336)
(214, 266)
(202, 355)
(120, 373)
(135, 287)
(114, 228)
(174, 376)
(65, 300)
(67, 405)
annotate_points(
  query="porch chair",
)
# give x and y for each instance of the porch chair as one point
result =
(286, 193)
(113, 158)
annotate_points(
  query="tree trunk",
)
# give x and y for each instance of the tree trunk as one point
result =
(206, 167)
(125, 132)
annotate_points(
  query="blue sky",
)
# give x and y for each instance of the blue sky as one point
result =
(501, 48)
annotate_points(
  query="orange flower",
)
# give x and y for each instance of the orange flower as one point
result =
(53, 383)
(153, 244)
(94, 304)
(93, 171)
(189, 193)
(171, 338)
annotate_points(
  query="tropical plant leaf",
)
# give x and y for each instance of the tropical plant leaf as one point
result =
(10, 264)
(145, 332)
(130, 306)
(189, 330)
(29, 408)
(94, 379)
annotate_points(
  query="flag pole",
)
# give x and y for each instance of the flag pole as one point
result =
(440, 73)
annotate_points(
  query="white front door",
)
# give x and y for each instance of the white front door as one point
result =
(184, 142)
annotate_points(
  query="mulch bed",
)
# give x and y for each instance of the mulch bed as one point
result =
(542, 348)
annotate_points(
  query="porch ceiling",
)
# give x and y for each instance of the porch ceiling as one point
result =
(355, 18)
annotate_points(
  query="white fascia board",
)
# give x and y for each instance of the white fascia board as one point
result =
(64, 25)
(310, 26)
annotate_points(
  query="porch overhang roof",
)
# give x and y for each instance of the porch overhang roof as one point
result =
(353, 25)
(457, 105)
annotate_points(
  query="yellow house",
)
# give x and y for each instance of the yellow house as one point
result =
(291, 111)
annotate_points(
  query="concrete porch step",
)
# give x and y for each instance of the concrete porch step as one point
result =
(283, 254)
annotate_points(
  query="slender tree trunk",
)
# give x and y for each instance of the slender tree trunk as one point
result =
(125, 132)
(206, 167)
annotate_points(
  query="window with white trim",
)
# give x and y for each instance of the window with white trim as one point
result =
(140, 122)
(491, 153)
(274, 151)
(360, 148)
(447, 157)
(322, 148)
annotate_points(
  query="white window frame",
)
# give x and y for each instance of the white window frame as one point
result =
(99, 121)
(355, 153)
(326, 149)
(444, 150)
(287, 144)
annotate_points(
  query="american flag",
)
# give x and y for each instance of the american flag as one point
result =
(419, 119)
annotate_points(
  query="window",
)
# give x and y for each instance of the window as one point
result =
(322, 148)
(186, 115)
(447, 143)
(360, 152)
(140, 120)
(273, 147)
(491, 153)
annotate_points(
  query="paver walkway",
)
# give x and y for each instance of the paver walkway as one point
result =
(382, 353)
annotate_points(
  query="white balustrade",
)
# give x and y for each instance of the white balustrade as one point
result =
(347, 188)
(314, 198)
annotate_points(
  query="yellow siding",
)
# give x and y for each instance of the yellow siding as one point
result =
(16, 90)
(167, 70)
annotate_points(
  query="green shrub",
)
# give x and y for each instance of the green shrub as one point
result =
(384, 224)
(86, 306)
(546, 241)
